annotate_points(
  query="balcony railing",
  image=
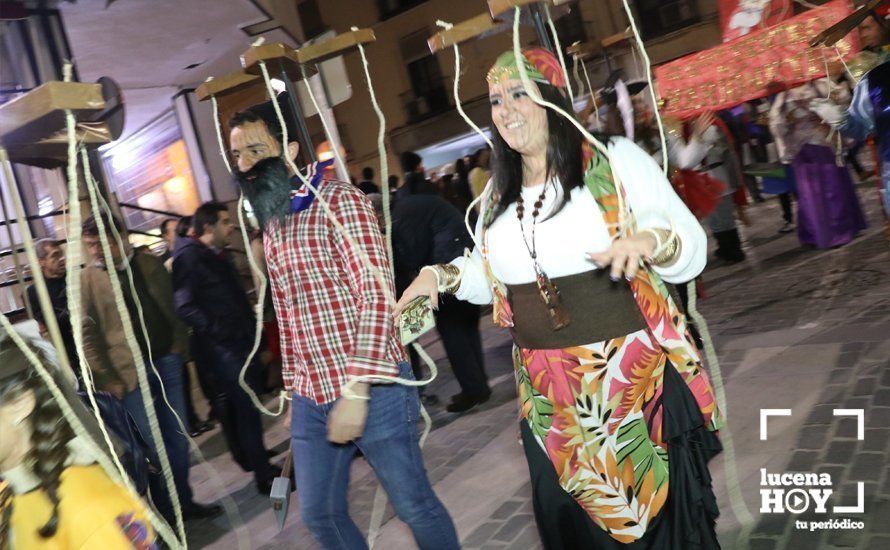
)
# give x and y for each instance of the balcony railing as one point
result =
(429, 104)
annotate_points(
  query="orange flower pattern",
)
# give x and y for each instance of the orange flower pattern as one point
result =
(596, 409)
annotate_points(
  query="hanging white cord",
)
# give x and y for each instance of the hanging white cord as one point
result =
(648, 63)
(577, 75)
(596, 108)
(324, 123)
(562, 62)
(99, 204)
(846, 67)
(138, 359)
(736, 501)
(218, 127)
(381, 151)
(460, 109)
(161, 527)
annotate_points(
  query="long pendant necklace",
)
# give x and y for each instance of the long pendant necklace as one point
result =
(558, 315)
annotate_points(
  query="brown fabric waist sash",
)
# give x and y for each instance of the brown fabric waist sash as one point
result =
(599, 310)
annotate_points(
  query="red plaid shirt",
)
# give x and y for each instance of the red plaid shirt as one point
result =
(334, 320)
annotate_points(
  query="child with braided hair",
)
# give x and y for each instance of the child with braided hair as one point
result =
(55, 495)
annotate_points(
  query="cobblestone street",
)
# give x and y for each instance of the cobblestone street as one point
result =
(795, 328)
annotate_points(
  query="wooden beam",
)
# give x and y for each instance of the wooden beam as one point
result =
(40, 113)
(613, 40)
(585, 50)
(276, 56)
(463, 31)
(334, 46)
(226, 84)
(52, 151)
(497, 7)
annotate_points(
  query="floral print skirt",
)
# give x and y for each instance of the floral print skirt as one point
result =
(626, 436)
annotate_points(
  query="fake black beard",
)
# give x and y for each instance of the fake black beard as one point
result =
(267, 186)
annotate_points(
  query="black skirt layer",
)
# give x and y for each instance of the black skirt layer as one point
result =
(690, 513)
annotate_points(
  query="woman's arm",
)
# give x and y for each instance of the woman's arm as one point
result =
(655, 205)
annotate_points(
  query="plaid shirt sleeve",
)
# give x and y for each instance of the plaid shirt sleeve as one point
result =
(369, 355)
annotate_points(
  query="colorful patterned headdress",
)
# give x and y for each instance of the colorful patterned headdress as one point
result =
(541, 66)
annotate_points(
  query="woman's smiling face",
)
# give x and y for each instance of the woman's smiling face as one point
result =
(519, 120)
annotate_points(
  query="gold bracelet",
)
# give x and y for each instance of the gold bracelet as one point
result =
(670, 250)
(447, 277)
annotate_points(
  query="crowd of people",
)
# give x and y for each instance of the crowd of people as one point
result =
(608, 372)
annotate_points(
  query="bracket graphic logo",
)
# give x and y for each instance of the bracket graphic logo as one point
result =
(800, 492)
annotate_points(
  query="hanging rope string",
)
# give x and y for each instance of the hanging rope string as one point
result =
(138, 359)
(99, 204)
(335, 145)
(218, 127)
(80, 431)
(736, 501)
(460, 109)
(558, 46)
(577, 75)
(648, 63)
(596, 108)
(381, 151)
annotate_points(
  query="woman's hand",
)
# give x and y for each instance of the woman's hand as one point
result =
(626, 254)
(424, 285)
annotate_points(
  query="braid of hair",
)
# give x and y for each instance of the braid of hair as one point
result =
(49, 449)
(5, 515)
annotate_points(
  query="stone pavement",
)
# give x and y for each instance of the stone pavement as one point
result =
(795, 328)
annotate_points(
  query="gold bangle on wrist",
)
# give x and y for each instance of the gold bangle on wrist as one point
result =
(447, 277)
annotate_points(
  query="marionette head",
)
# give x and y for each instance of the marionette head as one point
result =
(33, 433)
(261, 171)
(524, 129)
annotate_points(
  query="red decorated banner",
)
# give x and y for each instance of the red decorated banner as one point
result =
(739, 18)
(753, 66)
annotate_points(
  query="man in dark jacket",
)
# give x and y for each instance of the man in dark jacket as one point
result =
(209, 297)
(427, 230)
(415, 182)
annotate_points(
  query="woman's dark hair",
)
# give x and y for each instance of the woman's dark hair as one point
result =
(50, 433)
(563, 156)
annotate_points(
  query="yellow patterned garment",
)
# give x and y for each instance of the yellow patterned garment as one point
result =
(94, 512)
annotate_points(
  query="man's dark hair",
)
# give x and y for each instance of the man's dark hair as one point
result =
(207, 214)
(183, 225)
(252, 114)
(166, 224)
(367, 173)
(393, 181)
(91, 227)
(410, 161)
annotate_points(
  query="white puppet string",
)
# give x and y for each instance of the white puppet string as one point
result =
(648, 67)
(739, 508)
(577, 75)
(73, 280)
(97, 201)
(381, 150)
(596, 108)
(558, 46)
(161, 527)
(846, 67)
(335, 145)
(218, 127)
(460, 109)
(136, 351)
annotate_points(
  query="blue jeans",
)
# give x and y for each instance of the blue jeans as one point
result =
(170, 368)
(390, 443)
